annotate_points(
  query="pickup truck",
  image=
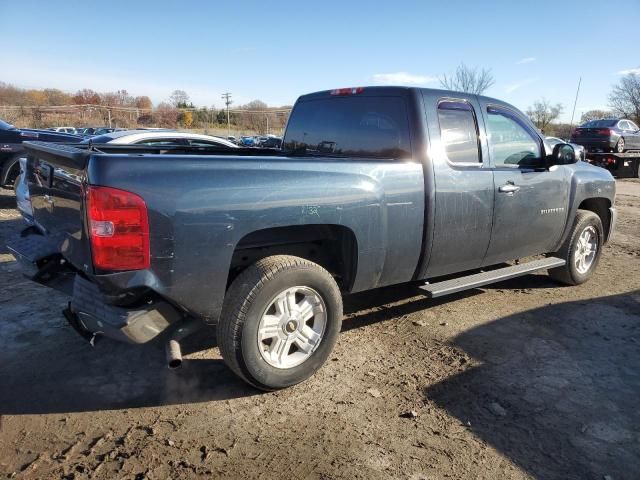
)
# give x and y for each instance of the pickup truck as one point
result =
(11, 147)
(373, 186)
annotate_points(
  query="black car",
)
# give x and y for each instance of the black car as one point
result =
(11, 139)
(608, 134)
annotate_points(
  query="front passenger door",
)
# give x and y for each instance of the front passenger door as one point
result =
(530, 201)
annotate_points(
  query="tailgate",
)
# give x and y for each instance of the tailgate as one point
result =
(55, 174)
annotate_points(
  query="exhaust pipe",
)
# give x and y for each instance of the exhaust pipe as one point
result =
(173, 349)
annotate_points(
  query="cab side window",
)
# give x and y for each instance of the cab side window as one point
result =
(459, 132)
(512, 142)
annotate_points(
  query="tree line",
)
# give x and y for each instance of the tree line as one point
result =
(52, 107)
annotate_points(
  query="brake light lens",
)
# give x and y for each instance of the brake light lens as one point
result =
(576, 132)
(604, 131)
(347, 91)
(119, 229)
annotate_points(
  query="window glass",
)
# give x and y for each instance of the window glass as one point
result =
(163, 142)
(374, 127)
(632, 125)
(458, 132)
(206, 143)
(623, 125)
(599, 124)
(511, 141)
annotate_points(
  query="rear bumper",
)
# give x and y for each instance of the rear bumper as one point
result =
(88, 311)
(595, 144)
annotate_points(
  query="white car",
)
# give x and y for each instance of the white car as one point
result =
(160, 138)
(63, 130)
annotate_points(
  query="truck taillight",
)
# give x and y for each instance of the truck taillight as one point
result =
(347, 91)
(118, 228)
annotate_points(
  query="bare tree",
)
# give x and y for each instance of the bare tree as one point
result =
(624, 99)
(595, 115)
(179, 98)
(542, 113)
(469, 80)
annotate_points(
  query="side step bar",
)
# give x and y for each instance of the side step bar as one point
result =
(459, 284)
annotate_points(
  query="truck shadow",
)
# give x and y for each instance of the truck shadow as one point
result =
(555, 389)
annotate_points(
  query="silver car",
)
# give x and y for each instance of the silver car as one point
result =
(579, 149)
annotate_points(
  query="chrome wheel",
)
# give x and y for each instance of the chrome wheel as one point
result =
(620, 145)
(586, 250)
(291, 327)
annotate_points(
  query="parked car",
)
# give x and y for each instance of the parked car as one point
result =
(160, 137)
(373, 187)
(11, 147)
(608, 135)
(70, 130)
(271, 142)
(579, 149)
(103, 130)
(85, 131)
(247, 141)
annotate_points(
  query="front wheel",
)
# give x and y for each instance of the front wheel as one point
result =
(280, 321)
(581, 250)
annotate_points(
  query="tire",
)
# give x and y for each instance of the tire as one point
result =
(574, 272)
(637, 169)
(259, 304)
(619, 148)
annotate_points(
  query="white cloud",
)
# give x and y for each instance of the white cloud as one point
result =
(526, 60)
(630, 70)
(402, 78)
(512, 87)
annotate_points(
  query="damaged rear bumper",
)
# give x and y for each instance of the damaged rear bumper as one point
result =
(89, 313)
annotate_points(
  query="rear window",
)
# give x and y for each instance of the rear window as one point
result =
(599, 124)
(365, 127)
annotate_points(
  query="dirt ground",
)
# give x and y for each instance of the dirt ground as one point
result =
(523, 379)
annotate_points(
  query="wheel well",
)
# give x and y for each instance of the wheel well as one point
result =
(599, 206)
(334, 247)
(10, 170)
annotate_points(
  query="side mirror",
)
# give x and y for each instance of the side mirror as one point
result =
(563, 154)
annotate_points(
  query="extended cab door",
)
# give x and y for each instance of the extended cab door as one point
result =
(530, 206)
(463, 183)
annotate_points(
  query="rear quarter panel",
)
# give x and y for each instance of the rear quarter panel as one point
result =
(201, 207)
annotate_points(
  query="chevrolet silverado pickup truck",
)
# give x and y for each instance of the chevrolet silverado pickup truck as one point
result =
(372, 187)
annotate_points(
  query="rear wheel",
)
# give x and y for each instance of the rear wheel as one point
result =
(581, 250)
(619, 148)
(280, 321)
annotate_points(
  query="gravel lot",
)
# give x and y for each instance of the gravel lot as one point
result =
(524, 379)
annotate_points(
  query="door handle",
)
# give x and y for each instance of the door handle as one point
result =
(508, 188)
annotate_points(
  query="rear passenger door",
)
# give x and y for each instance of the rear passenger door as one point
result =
(463, 183)
(530, 206)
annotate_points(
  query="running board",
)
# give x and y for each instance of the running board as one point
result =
(484, 278)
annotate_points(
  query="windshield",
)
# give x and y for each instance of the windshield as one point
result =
(6, 126)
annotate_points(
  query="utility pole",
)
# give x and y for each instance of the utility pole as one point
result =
(227, 100)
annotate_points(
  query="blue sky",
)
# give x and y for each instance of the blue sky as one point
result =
(275, 51)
